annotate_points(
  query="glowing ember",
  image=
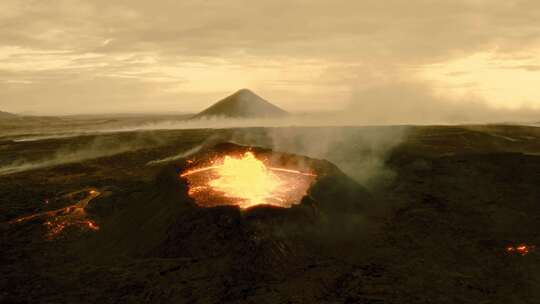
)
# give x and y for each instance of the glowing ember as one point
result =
(57, 225)
(521, 249)
(246, 181)
(57, 220)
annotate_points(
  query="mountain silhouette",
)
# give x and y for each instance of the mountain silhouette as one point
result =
(242, 104)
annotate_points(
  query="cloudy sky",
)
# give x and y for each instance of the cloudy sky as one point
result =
(102, 56)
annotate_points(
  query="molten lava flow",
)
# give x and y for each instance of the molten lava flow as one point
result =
(246, 178)
(521, 249)
(246, 181)
(57, 220)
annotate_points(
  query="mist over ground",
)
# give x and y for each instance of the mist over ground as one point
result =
(320, 134)
(360, 152)
(348, 137)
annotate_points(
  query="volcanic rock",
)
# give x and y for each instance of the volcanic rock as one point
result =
(438, 231)
(242, 104)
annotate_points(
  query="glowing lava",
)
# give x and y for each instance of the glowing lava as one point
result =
(521, 249)
(58, 220)
(246, 181)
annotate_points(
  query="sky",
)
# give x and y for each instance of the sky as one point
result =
(139, 56)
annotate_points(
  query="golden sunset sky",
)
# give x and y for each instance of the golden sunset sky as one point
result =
(103, 56)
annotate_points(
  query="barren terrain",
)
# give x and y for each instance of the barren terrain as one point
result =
(437, 209)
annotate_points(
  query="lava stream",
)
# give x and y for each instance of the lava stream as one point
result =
(57, 220)
(521, 249)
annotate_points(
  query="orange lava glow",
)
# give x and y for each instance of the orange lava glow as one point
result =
(521, 249)
(56, 221)
(56, 226)
(246, 181)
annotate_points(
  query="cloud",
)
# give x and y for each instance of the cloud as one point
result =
(530, 68)
(301, 53)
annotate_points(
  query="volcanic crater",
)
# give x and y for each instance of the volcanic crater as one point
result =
(247, 177)
(182, 214)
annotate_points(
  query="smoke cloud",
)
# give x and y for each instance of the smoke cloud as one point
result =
(175, 157)
(359, 152)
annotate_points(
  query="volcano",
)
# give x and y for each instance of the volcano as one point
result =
(213, 227)
(242, 104)
(194, 207)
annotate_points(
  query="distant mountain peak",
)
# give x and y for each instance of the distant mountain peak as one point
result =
(244, 103)
(245, 91)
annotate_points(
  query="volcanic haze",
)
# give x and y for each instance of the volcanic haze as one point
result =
(7, 115)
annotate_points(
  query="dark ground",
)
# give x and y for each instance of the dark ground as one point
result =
(433, 230)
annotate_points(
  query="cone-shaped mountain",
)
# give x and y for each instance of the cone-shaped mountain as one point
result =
(242, 104)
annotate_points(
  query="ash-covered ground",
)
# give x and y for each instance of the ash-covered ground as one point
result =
(408, 215)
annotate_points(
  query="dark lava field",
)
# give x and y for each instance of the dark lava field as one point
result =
(432, 214)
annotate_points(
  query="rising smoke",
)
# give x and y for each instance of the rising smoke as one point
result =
(90, 148)
(359, 152)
